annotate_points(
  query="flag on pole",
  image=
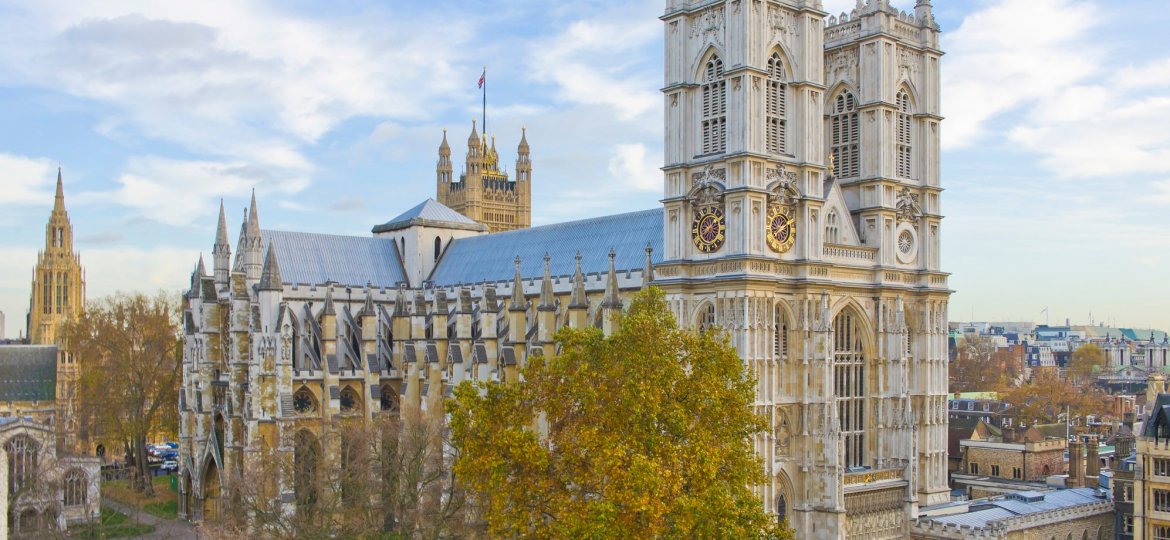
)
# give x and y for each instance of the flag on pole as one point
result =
(483, 78)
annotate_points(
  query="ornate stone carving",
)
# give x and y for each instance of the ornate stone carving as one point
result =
(908, 207)
(782, 188)
(710, 24)
(781, 23)
(707, 187)
(842, 66)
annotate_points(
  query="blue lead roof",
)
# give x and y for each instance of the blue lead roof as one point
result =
(429, 212)
(490, 257)
(310, 258)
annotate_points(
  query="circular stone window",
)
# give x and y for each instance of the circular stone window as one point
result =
(906, 244)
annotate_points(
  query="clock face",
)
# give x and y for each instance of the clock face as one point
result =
(781, 230)
(709, 229)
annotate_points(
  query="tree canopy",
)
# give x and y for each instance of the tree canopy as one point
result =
(1086, 362)
(643, 434)
(129, 355)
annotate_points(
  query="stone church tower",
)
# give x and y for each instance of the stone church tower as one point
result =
(802, 216)
(58, 286)
(483, 192)
(58, 295)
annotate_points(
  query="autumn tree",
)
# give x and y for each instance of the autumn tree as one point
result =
(980, 365)
(643, 434)
(1086, 362)
(129, 351)
(1047, 397)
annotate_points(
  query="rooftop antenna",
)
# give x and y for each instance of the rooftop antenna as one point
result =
(1045, 312)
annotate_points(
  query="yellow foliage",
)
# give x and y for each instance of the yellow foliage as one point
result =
(644, 434)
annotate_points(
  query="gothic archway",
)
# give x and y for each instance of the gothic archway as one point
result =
(307, 467)
(211, 491)
(850, 384)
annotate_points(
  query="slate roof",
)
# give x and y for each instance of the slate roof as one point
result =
(433, 213)
(1159, 419)
(490, 257)
(312, 258)
(983, 513)
(28, 372)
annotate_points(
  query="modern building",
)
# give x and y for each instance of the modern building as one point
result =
(800, 214)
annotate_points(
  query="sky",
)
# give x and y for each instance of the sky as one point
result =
(1056, 154)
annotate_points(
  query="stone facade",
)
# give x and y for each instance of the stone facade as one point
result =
(1079, 514)
(483, 192)
(800, 214)
(45, 491)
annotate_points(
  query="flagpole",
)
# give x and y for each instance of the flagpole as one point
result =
(485, 99)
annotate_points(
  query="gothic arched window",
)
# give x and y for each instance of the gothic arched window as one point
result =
(776, 106)
(832, 228)
(845, 135)
(389, 401)
(905, 140)
(849, 386)
(304, 402)
(781, 509)
(438, 247)
(22, 464)
(350, 401)
(780, 335)
(76, 488)
(714, 108)
(707, 318)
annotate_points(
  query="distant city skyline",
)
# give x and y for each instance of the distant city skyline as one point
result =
(1055, 157)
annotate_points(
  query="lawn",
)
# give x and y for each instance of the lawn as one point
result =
(111, 525)
(164, 504)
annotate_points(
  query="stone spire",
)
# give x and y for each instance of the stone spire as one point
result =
(547, 301)
(612, 298)
(400, 302)
(253, 218)
(270, 277)
(523, 146)
(444, 148)
(59, 199)
(200, 268)
(368, 306)
(329, 309)
(577, 299)
(518, 303)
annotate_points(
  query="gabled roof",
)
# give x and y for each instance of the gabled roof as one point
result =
(490, 257)
(430, 213)
(28, 372)
(1159, 417)
(315, 259)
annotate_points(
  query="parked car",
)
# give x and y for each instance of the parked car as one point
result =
(170, 455)
(170, 465)
(173, 445)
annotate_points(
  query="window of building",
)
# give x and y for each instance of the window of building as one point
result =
(1161, 467)
(1017, 473)
(389, 401)
(954, 404)
(845, 136)
(849, 385)
(995, 470)
(304, 402)
(776, 106)
(832, 228)
(1161, 500)
(707, 318)
(438, 247)
(350, 401)
(1127, 524)
(76, 488)
(974, 468)
(714, 108)
(22, 464)
(1161, 532)
(1128, 492)
(905, 141)
(780, 335)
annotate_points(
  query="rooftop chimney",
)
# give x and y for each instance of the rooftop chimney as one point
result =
(1076, 463)
(1092, 462)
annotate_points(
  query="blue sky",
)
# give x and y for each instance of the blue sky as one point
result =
(1056, 153)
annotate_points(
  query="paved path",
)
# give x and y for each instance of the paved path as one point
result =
(164, 529)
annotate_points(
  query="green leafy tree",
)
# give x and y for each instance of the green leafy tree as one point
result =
(130, 356)
(1086, 362)
(643, 434)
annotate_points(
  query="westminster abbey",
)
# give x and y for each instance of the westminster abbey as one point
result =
(800, 212)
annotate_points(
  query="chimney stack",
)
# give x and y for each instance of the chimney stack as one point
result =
(1092, 462)
(1076, 463)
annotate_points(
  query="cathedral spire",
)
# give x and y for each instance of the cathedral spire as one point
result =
(253, 218)
(200, 268)
(612, 299)
(578, 299)
(329, 309)
(221, 251)
(518, 302)
(270, 278)
(59, 200)
(648, 269)
(547, 302)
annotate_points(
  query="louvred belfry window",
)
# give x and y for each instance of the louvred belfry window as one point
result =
(845, 136)
(905, 141)
(714, 108)
(776, 106)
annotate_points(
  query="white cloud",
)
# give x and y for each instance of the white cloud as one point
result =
(25, 180)
(632, 166)
(177, 192)
(1000, 59)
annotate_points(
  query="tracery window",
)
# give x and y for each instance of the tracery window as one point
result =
(47, 294)
(707, 318)
(776, 106)
(780, 335)
(714, 108)
(350, 401)
(22, 463)
(76, 488)
(304, 402)
(849, 385)
(845, 136)
(832, 228)
(905, 141)
(389, 400)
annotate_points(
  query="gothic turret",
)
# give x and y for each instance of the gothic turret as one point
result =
(58, 287)
(221, 252)
(253, 246)
(443, 169)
